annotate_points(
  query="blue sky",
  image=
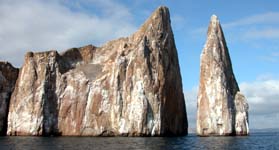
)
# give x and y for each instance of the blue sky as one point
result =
(251, 29)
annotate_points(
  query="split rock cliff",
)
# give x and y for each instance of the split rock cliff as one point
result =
(127, 87)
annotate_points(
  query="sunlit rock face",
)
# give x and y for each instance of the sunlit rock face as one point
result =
(128, 87)
(222, 109)
(8, 76)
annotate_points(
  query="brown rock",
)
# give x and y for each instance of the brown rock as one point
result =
(222, 109)
(128, 87)
(8, 76)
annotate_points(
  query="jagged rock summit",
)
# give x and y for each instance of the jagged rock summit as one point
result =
(222, 109)
(128, 87)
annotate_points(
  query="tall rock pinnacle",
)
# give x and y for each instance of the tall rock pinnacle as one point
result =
(128, 87)
(222, 109)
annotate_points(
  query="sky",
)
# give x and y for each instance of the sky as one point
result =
(251, 28)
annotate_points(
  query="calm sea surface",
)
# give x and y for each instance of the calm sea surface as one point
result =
(264, 140)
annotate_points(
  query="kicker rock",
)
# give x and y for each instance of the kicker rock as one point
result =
(128, 87)
(222, 109)
(8, 76)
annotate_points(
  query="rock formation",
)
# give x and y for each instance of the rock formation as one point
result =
(128, 87)
(8, 76)
(222, 109)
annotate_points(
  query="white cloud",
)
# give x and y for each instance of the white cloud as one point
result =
(265, 18)
(263, 100)
(260, 26)
(262, 95)
(273, 57)
(191, 105)
(275, 54)
(178, 22)
(269, 33)
(42, 25)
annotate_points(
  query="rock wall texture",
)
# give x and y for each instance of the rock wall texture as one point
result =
(222, 109)
(128, 87)
(8, 76)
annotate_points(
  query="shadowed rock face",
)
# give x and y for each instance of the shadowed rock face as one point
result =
(222, 109)
(128, 87)
(8, 76)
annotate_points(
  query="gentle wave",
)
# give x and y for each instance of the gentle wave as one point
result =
(254, 142)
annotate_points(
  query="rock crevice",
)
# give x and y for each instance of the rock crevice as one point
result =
(8, 77)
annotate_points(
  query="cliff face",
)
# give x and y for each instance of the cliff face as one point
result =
(130, 87)
(222, 109)
(8, 76)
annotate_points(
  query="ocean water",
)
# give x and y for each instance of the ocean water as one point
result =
(263, 140)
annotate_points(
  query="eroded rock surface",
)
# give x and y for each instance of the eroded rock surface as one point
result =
(128, 87)
(222, 109)
(8, 76)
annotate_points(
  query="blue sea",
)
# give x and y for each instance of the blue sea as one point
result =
(256, 141)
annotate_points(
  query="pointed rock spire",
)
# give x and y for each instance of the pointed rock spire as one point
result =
(222, 109)
(159, 21)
